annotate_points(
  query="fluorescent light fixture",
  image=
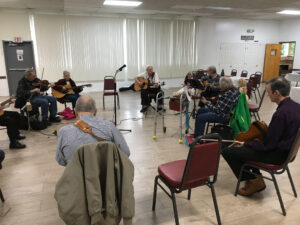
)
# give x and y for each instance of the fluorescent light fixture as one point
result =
(290, 12)
(218, 8)
(122, 3)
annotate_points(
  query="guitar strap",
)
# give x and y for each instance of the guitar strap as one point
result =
(86, 128)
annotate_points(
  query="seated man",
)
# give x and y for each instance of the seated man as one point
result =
(153, 88)
(219, 112)
(11, 120)
(60, 86)
(212, 87)
(27, 91)
(276, 145)
(70, 137)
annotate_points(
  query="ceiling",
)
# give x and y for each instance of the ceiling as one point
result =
(243, 9)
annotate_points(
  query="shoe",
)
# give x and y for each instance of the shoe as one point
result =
(144, 109)
(16, 145)
(46, 123)
(252, 186)
(20, 137)
(54, 119)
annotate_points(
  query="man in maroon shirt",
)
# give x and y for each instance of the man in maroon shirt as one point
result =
(60, 86)
(277, 143)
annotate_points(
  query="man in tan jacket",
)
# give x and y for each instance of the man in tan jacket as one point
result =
(97, 187)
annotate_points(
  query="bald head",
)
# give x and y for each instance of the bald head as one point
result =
(86, 104)
(149, 70)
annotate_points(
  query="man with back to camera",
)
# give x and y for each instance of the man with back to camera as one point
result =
(70, 137)
(275, 147)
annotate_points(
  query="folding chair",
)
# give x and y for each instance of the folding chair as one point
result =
(273, 170)
(200, 168)
(109, 89)
(244, 73)
(254, 109)
(233, 72)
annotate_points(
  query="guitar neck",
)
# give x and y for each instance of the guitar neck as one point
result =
(5, 102)
(72, 88)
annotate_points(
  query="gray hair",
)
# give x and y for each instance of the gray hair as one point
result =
(85, 103)
(28, 71)
(226, 83)
(65, 72)
(212, 69)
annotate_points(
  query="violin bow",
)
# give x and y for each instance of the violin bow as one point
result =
(42, 78)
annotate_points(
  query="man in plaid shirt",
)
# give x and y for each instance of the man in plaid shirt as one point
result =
(220, 112)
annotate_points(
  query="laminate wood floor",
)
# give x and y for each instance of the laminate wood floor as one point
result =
(29, 176)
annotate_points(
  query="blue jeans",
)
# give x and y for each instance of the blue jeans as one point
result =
(204, 115)
(47, 103)
(72, 98)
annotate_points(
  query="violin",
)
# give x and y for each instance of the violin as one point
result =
(257, 130)
(42, 84)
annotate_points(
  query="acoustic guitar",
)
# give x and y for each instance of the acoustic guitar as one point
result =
(67, 91)
(144, 86)
(5, 104)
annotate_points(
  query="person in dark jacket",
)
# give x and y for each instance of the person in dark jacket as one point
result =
(275, 147)
(67, 81)
(26, 91)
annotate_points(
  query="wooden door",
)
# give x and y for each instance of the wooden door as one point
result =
(272, 61)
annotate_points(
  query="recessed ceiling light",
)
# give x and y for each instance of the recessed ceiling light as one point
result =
(290, 12)
(122, 3)
(218, 8)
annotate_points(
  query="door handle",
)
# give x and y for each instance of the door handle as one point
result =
(15, 69)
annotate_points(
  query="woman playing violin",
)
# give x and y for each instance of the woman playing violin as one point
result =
(30, 88)
(276, 144)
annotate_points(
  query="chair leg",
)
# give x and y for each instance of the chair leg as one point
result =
(175, 208)
(255, 96)
(103, 103)
(215, 203)
(1, 196)
(258, 93)
(254, 115)
(291, 181)
(154, 193)
(239, 181)
(278, 194)
(207, 126)
(189, 194)
(118, 101)
(258, 116)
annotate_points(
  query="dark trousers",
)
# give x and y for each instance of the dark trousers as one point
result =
(2, 156)
(237, 156)
(72, 98)
(11, 120)
(204, 115)
(149, 94)
(47, 103)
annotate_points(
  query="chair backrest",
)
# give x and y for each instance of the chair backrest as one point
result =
(249, 88)
(198, 74)
(254, 81)
(244, 73)
(109, 83)
(262, 99)
(293, 151)
(202, 161)
(258, 73)
(233, 72)
(258, 78)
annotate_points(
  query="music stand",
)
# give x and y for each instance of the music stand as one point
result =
(115, 102)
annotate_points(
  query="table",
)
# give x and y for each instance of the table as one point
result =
(295, 94)
(293, 77)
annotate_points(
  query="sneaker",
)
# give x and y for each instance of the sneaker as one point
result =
(54, 119)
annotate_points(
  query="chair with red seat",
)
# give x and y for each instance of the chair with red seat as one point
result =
(255, 80)
(200, 168)
(233, 72)
(254, 109)
(109, 90)
(244, 73)
(274, 170)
